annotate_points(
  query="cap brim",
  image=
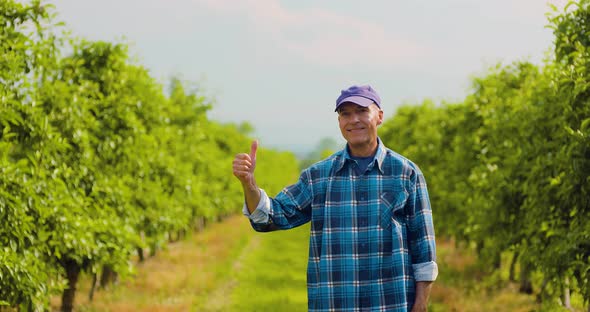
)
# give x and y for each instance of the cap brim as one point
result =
(359, 100)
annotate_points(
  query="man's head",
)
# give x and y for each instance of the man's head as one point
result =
(359, 115)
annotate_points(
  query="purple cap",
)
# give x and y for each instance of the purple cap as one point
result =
(360, 95)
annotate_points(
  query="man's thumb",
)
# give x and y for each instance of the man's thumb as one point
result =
(253, 149)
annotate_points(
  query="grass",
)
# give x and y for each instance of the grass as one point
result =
(229, 267)
(461, 286)
(273, 276)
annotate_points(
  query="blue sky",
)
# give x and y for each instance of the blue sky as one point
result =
(280, 65)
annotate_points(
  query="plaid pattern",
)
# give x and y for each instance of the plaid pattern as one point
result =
(369, 232)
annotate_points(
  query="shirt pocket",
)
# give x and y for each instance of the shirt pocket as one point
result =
(391, 208)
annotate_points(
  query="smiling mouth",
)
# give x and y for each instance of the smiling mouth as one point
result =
(356, 130)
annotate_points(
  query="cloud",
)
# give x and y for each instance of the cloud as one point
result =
(320, 36)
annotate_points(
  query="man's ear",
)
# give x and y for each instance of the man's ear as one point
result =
(380, 118)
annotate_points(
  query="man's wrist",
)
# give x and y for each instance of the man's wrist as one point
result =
(250, 186)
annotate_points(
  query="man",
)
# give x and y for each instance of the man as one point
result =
(371, 244)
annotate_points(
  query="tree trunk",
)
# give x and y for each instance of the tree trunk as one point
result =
(153, 248)
(542, 292)
(72, 272)
(526, 286)
(512, 276)
(92, 287)
(566, 294)
(107, 277)
(140, 254)
(199, 224)
(479, 248)
(497, 261)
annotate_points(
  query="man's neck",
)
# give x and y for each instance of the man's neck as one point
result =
(363, 151)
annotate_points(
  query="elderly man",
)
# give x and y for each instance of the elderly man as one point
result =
(371, 246)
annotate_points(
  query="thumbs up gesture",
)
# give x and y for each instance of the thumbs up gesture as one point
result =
(244, 165)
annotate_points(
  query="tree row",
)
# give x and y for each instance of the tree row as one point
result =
(508, 168)
(99, 165)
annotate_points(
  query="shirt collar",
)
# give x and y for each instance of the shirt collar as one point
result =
(379, 156)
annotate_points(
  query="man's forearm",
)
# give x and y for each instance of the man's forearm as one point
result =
(422, 295)
(251, 195)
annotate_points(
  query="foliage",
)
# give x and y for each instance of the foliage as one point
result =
(509, 167)
(97, 161)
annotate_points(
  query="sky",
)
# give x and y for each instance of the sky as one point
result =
(280, 64)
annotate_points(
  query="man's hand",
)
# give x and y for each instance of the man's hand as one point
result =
(244, 165)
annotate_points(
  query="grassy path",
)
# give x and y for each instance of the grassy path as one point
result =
(272, 277)
(229, 267)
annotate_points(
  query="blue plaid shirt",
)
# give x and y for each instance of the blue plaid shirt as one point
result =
(372, 235)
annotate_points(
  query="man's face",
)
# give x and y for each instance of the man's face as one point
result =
(358, 124)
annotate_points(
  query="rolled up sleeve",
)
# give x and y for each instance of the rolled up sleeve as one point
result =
(262, 211)
(427, 271)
